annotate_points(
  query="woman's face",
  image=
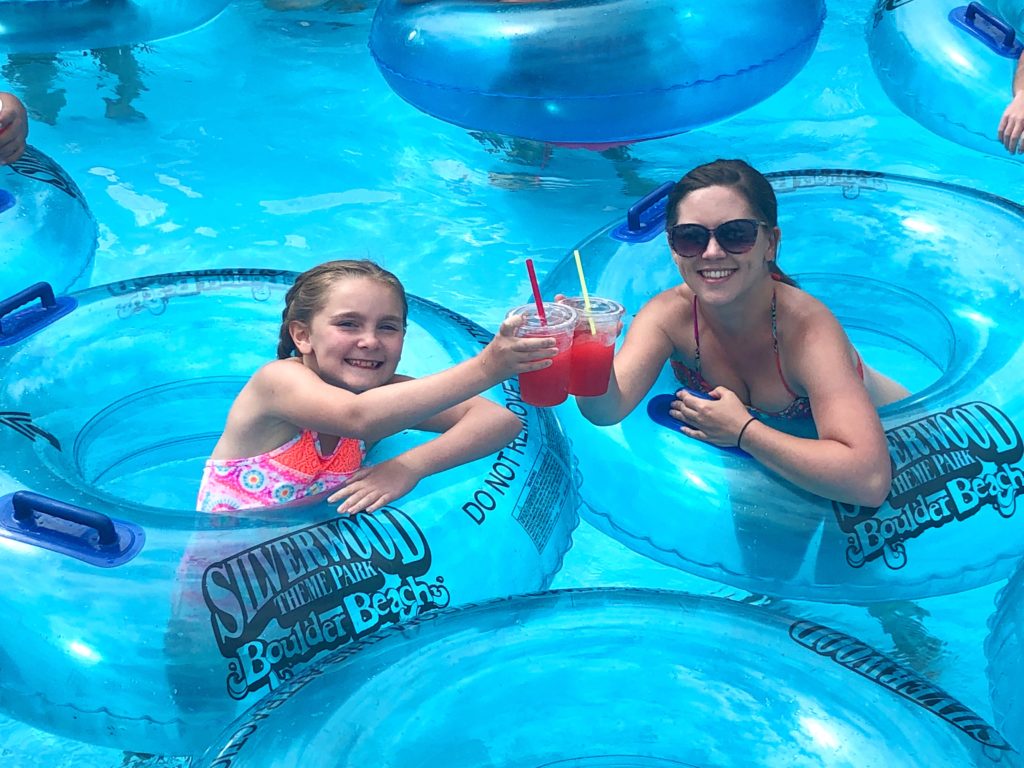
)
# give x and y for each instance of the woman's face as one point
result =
(720, 274)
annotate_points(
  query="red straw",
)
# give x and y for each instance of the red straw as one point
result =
(536, 292)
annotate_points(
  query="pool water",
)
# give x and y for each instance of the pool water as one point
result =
(267, 138)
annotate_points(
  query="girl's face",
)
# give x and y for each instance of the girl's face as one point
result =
(355, 340)
(719, 275)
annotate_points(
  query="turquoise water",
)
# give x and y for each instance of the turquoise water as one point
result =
(268, 139)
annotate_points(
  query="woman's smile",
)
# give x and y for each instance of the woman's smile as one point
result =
(716, 274)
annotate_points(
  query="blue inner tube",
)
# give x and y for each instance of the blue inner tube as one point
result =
(49, 233)
(134, 621)
(44, 26)
(591, 71)
(949, 65)
(607, 678)
(897, 260)
(1004, 650)
(1010, 11)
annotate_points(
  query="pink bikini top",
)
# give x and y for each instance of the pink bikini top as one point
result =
(288, 473)
(799, 408)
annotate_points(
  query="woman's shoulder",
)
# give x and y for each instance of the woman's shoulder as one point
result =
(799, 312)
(810, 334)
(670, 302)
(667, 311)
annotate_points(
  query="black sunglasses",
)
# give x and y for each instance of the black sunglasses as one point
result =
(736, 236)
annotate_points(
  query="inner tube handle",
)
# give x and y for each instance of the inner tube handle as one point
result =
(41, 291)
(645, 217)
(975, 9)
(27, 504)
(21, 325)
(634, 214)
(988, 27)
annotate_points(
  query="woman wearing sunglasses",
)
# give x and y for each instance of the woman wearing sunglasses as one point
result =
(759, 359)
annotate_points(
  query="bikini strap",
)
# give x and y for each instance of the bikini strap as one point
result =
(775, 348)
(696, 337)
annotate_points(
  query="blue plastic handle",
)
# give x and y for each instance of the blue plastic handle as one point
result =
(980, 22)
(974, 10)
(645, 217)
(7, 200)
(635, 212)
(27, 505)
(41, 291)
(21, 325)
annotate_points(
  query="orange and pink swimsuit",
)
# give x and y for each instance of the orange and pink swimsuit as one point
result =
(288, 473)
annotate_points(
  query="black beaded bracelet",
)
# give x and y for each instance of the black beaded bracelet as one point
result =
(739, 437)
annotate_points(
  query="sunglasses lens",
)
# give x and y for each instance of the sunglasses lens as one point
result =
(690, 240)
(737, 236)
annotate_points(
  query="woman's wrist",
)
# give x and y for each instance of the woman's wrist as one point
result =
(743, 429)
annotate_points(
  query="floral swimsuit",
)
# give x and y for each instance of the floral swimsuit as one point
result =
(288, 473)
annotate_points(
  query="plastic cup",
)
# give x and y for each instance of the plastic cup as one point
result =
(548, 386)
(592, 352)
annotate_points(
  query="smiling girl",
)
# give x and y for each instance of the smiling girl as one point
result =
(766, 355)
(302, 424)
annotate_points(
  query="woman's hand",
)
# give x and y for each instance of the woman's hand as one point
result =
(717, 421)
(371, 488)
(1011, 125)
(13, 128)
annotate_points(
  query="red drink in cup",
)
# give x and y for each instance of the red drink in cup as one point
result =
(591, 366)
(548, 386)
(593, 347)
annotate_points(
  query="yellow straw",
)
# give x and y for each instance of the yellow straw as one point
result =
(586, 296)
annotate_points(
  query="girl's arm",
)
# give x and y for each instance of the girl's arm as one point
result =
(468, 431)
(297, 395)
(849, 461)
(636, 366)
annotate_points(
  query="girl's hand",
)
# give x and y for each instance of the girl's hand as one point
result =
(509, 355)
(371, 488)
(717, 421)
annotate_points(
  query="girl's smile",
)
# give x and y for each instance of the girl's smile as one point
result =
(355, 340)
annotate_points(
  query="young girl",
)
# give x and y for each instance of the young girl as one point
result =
(301, 425)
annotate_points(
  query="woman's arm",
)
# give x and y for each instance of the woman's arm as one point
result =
(468, 431)
(849, 461)
(13, 128)
(1011, 125)
(294, 394)
(636, 366)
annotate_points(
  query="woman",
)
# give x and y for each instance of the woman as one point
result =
(767, 354)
